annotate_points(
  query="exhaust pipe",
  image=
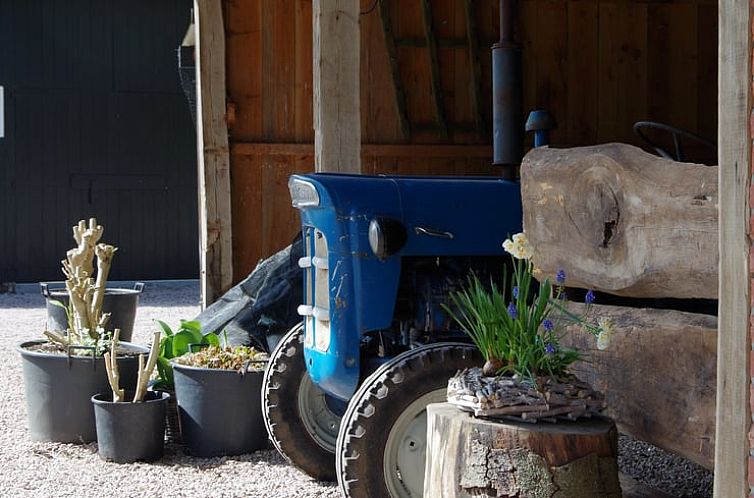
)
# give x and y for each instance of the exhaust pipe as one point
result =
(507, 95)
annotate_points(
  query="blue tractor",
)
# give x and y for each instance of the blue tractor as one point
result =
(346, 390)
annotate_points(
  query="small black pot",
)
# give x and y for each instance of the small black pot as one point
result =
(128, 432)
(59, 389)
(220, 410)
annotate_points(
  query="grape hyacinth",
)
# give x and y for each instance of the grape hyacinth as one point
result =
(512, 311)
(589, 299)
(560, 277)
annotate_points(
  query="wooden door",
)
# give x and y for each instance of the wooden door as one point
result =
(96, 125)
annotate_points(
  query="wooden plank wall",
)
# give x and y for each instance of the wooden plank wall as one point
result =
(597, 66)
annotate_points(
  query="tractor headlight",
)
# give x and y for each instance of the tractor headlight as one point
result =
(303, 194)
(386, 236)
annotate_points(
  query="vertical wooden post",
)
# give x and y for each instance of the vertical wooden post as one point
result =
(733, 416)
(215, 249)
(337, 122)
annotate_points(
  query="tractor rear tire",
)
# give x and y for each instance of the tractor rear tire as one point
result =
(299, 422)
(382, 442)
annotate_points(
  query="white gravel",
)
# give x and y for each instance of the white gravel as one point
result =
(33, 469)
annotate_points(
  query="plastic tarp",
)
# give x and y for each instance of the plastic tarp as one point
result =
(262, 305)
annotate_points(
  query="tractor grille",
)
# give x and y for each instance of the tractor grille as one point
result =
(316, 307)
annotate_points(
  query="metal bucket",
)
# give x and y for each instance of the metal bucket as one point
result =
(120, 303)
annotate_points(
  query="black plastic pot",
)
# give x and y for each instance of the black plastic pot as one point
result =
(220, 410)
(59, 390)
(120, 303)
(128, 432)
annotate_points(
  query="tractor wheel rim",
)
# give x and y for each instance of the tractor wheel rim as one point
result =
(319, 420)
(406, 448)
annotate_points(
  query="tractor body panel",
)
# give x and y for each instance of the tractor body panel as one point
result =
(349, 291)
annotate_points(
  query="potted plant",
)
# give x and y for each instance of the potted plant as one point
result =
(119, 304)
(64, 371)
(172, 345)
(219, 391)
(128, 431)
(517, 328)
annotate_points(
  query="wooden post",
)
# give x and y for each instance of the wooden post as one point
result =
(215, 236)
(733, 414)
(337, 121)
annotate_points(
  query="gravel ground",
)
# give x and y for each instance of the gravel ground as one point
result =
(32, 469)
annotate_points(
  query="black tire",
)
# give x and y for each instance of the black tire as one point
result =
(380, 403)
(281, 387)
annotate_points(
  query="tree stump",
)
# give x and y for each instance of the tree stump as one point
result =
(468, 456)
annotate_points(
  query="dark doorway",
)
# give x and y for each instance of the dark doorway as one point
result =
(96, 125)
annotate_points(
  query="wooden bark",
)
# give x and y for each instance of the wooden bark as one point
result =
(468, 456)
(620, 220)
(337, 120)
(658, 376)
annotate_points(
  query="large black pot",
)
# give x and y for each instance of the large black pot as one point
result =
(128, 432)
(120, 303)
(220, 410)
(59, 389)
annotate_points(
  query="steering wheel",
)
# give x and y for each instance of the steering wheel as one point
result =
(641, 126)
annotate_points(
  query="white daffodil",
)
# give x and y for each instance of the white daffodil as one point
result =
(606, 333)
(519, 247)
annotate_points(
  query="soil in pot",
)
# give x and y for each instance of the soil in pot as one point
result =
(220, 410)
(129, 432)
(59, 390)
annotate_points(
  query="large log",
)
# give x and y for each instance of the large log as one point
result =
(623, 221)
(658, 376)
(468, 456)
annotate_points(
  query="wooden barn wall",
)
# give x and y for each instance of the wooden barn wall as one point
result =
(597, 66)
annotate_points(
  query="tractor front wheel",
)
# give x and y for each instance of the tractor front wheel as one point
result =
(382, 442)
(302, 421)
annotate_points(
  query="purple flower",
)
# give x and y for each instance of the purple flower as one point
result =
(515, 292)
(560, 277)
(549, 349)
(512, 311)
(548, 325)
(589, 299)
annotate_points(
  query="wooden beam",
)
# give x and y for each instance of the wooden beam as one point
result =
(638, 225)
(657, 374)
(305, 151)
(734, 346)
(215, 235)
(434, 63)
(477, 100)
(392, 54)
(337, 121)
(449, 43)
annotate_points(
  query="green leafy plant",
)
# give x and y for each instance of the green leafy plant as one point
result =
(174, 344)
(238, 358)
(517, 327)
